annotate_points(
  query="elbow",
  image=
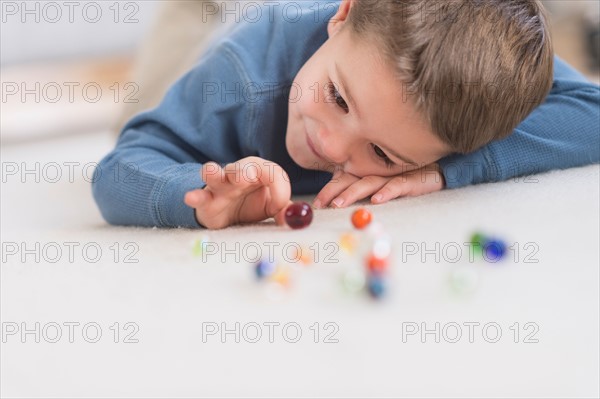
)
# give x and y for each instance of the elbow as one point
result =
(119, 193)
(104, 192)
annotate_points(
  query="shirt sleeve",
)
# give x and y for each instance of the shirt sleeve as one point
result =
(159, 153)
(563, 132)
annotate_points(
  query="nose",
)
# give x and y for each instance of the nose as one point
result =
(334, 146)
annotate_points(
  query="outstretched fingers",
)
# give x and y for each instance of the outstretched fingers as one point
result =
(359, 190)
(399, 186)
(337, 185)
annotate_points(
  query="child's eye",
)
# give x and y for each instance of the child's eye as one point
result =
(379, 152)
(337, 97)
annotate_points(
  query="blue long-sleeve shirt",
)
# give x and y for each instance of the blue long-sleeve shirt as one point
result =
(234, 103)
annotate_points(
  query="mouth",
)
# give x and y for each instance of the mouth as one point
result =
(311, 145)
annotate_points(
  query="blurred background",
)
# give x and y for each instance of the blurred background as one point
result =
(69, 68)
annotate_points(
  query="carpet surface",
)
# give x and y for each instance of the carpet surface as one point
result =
(527, 325)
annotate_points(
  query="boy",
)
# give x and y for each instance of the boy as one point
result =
(394, 98)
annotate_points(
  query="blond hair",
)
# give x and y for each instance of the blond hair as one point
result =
(474, 68)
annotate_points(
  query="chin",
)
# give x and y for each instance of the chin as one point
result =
(290, 148)
(303, 162)
(312, 166)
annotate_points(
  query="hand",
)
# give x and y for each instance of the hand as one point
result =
(344, 189)
(247, 191)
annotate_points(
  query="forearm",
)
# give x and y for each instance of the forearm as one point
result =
(138, 185)
(158, 157)
(563, 132)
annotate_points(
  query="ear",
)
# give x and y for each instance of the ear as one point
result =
(339, 19)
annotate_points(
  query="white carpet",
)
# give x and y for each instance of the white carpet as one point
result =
(171, 296)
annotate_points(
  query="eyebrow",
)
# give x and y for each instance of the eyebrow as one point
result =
(353, 103)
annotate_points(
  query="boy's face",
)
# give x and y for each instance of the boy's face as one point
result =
(347, 112)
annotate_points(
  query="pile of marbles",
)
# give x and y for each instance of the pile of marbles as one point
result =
(372, 246)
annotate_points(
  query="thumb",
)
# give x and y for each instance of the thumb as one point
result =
(280, 216)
